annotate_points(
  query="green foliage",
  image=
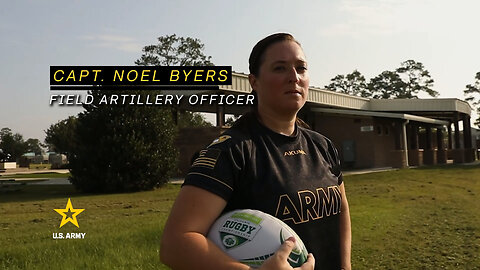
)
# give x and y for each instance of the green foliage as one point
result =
(34, 145)
(174, 51)
(473, 96)
(13, 146)
(129, 148)
(416, 78)
(231, 120)
(122, 148)
(192, 119)
(352, 84)
(60, 137)
(386, 85)
(406, 81)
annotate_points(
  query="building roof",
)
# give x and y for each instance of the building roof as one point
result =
(421, 105)
(329, 98)
(432, 110)
(404, 116)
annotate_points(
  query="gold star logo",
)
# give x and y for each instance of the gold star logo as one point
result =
(69, 214)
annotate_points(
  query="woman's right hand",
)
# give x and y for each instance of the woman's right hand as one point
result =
(279, 260)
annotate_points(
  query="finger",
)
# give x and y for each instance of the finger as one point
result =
(309, 264)
(284, 251)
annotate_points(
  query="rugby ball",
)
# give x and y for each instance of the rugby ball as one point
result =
(251, 236)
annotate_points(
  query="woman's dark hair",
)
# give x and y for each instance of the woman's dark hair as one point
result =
(257, 56)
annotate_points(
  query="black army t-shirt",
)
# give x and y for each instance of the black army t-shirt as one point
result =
(294, 178)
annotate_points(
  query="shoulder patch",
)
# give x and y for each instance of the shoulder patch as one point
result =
(207, 158)
(220, 140)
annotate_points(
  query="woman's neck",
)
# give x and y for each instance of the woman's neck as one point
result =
(283, 124)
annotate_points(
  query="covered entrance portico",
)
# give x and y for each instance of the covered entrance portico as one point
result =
(402, 149)
(369, 133)
(451, 112)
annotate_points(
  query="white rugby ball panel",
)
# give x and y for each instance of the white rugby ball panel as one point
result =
(251, 236)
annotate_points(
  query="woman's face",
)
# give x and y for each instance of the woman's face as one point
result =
(283, 80)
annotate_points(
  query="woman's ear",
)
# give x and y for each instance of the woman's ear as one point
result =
(253, 81)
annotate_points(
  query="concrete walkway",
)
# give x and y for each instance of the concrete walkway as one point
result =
(477, 162)
(30, 171)
(179, 180)
(12, 181)
(373, 170)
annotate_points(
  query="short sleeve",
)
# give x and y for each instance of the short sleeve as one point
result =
(216, 168)
(335, 162)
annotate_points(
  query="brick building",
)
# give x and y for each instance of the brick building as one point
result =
(369, 133)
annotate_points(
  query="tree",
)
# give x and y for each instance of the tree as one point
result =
(473, 96)
(231, 120)
(416, 78)
(172, 50)
(122, 148)
(130, 148)
(352, 84)
(60, 137)
(191, 119)
(386, 85)
(34, 145)
(406, 81)
(12, 145)
(3, 156)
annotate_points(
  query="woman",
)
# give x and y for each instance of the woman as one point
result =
(266, 161)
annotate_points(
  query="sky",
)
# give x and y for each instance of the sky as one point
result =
(337, 37)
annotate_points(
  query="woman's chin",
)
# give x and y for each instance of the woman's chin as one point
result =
(290, 107)
(295, 104)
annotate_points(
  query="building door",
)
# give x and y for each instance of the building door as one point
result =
(348, 150)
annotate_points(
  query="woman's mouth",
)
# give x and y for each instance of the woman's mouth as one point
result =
(294, 92)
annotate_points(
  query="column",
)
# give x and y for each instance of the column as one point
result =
(467, 139)
(399, 156)
(415, 155)
(414, 136)
(467, 132)
(430, 154)
(220, 113)
(405, 143)
(428, 139)
(449, 127)
(441, 152)
(458, 154)
(457, 132)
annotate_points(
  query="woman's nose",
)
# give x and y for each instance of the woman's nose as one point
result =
(293, 75)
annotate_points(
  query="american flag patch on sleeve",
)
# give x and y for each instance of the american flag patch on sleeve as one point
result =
(207, 158)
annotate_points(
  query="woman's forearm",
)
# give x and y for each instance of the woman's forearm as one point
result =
(345, 232)
(194, 251)
(184, 245)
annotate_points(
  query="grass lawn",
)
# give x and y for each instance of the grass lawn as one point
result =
(426, 218)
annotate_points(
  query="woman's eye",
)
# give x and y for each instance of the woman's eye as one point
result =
(302, 68)
(279, 68)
